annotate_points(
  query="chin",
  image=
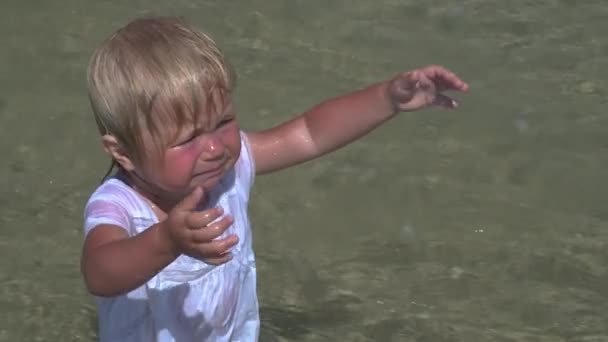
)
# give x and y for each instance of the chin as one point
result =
(209, 183)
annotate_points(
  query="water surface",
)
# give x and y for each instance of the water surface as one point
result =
(485, 224)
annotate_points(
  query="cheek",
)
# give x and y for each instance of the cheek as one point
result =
(179, 164)
(231, 140)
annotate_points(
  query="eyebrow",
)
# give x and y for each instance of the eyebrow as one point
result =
(226, 113)
(191, 131)
(185, 135)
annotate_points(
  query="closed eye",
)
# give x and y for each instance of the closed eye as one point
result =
(225, 121)
(198, 132)
(187, 140)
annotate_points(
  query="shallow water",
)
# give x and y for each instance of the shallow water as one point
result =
(485, 224)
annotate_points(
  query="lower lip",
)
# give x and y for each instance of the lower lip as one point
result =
(211, 174)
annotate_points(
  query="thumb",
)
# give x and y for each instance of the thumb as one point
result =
(191, 200)
(445, 101)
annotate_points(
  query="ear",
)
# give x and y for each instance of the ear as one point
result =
(113, 148)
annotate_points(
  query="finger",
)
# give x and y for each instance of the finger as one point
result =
(445, 79)
(196, 220)
(444, 101)
(218, 261)
(192, 200)
(212, 231)
(450, 83)
(217, 248)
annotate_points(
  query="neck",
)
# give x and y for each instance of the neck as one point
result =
(157, 197)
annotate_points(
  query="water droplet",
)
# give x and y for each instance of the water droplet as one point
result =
(587, 87)
(408, 233)
(456, 272)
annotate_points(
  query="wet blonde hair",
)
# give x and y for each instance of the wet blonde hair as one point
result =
(152, 77)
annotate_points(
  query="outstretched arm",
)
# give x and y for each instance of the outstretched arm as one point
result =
(339, 121)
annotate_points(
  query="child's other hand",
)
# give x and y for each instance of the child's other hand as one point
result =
(423, 87)
(193, 232)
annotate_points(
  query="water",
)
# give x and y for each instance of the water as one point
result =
(485, 224)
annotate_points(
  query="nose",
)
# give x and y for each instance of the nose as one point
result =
(212, 148)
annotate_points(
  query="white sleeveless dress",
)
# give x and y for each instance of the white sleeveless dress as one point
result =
(188, 300)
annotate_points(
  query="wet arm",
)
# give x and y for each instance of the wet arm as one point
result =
(114, 264)
(324, 128)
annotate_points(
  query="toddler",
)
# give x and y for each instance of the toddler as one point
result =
(168, 247)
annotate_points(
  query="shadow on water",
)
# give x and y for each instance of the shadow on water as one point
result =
(292, 322)
(91, 312)
(304, 304)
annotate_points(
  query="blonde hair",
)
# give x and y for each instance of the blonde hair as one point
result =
(152, 77)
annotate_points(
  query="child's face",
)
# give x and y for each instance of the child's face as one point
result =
(200, 157)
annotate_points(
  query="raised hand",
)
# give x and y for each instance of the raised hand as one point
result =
(193, 232)
(424, 87)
